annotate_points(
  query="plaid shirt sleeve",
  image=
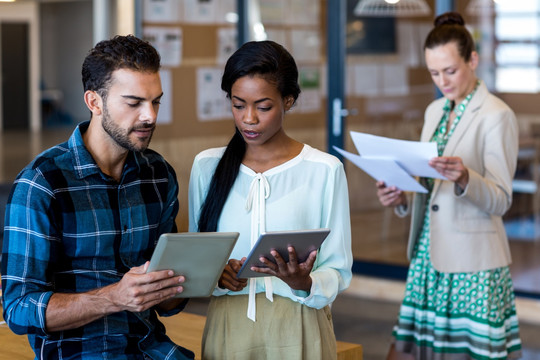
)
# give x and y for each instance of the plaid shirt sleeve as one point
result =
(29, 239)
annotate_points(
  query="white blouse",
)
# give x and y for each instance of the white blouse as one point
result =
(306, 192)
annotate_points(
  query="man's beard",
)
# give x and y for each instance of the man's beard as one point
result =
(120, 136)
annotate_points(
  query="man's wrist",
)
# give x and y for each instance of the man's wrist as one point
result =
(105, 298)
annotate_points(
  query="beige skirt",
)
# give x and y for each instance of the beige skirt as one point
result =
(284, 330)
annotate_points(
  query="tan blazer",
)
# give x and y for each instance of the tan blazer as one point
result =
(467, 232)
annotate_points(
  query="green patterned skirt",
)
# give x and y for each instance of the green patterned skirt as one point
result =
(454, 316)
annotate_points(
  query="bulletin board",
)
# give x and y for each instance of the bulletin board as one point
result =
(196, 37)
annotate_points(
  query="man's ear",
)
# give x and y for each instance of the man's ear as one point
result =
(94, 102)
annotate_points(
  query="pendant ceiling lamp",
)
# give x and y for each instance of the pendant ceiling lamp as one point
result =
(396, 8)
(480, 7)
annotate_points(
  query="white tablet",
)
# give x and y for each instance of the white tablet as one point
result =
(200, 257)
(304, 242)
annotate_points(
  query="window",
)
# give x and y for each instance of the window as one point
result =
(517, 34)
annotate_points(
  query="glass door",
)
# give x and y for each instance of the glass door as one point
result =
(386, 92)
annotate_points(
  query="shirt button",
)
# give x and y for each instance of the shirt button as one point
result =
(435, 207)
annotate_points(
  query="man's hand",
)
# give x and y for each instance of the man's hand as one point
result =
(136, 291)
(139, 291)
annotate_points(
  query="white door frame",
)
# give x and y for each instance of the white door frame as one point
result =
(27, 12)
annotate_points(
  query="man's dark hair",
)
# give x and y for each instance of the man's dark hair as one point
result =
(120, 52)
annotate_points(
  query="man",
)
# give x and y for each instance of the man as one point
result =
(84, 217)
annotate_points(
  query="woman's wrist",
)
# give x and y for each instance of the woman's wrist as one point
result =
(463, 181)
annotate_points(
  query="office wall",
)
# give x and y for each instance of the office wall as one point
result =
(191, 130)
(387, 107)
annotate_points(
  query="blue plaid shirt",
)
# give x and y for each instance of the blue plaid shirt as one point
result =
(70, 228)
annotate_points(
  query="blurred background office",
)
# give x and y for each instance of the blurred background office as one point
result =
(361, 69)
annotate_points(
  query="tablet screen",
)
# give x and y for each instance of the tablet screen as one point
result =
(304, 242)
(200, 257)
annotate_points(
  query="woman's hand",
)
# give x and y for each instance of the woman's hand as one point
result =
(452, 168)
(294, 274)
(228, 279)
(390, 196)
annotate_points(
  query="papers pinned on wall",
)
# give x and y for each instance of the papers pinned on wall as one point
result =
(212, 103)
(167, 41)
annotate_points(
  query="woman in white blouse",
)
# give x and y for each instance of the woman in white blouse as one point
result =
(266, 181)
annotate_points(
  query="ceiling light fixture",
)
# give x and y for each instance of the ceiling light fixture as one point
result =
(480, 7)
(398, 8)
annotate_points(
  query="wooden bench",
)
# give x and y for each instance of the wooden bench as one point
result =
(184, 329)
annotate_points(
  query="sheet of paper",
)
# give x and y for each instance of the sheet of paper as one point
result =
(384, 169)
(200, 11)
(226, 12)
(280, 36)
(409, 48)
(168, 42)
(272, 11)
(310, 97)
(412, 156)
(303, 12)
(212, 104)
(395, 79)
(365, 79)
(165, 109)
(306, 45)
(161, 11)
(227, 43)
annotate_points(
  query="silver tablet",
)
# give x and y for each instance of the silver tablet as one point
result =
(304, 242)
(200, 257)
